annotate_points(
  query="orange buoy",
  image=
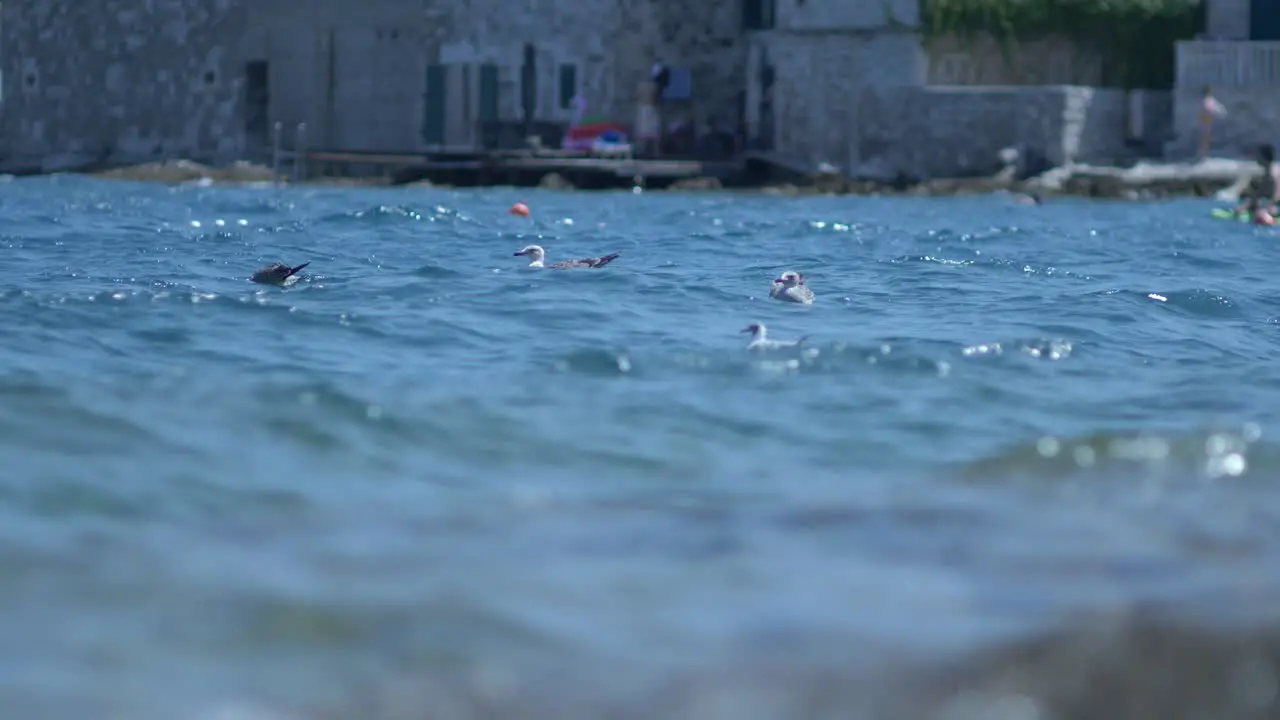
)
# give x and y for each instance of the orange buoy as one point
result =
(519, 209)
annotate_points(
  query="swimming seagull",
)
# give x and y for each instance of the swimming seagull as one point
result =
(276, 273)
(537, 255)
(790, 287)
(760, 341)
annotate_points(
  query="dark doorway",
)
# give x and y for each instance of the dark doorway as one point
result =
(488, 106)
(257, 107)
(1264, 20)
(764, 140)
(759, 14)
(529, 87)
(433, 116)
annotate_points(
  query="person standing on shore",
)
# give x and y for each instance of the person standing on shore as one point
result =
(648, 124)
(660, 76)
(1209, 109)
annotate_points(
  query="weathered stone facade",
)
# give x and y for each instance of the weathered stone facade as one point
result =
(805, 75)
(951, 132)
(820, 79)
(982, 60)
(1252, 119)
(1245, 77)
(120, 77)
(612, 46)
(140, 79)
(850, 89)
(1240, 58)
(1227, 19)
(828, 80)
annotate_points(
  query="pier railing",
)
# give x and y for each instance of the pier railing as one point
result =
(296, 156)
(1226, 63)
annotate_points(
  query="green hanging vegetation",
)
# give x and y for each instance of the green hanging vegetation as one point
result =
(1136, 37)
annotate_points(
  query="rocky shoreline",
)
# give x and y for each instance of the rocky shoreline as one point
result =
(1143, 181)
(1220, 177)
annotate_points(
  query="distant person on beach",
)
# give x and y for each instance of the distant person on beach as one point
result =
(579, 104)
(648, 123)
(660, 76)
(1210, 108)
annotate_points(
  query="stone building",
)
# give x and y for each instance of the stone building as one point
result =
(1142, 118)
(1239, 56)
(809, 81)
(133, 80)
(848, 83)
(809, 63)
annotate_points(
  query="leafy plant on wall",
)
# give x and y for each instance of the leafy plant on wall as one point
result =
(1136, 37)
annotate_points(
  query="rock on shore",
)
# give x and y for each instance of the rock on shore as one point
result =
(1216, 176)
(186, 171)
(1149, 180)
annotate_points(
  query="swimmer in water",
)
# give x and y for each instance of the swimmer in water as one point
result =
(1259, 214)
(1260, 198)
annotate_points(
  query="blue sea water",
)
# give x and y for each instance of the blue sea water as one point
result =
(427, 480)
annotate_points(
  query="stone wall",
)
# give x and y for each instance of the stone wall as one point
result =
(1251, 119)
(1227, 19)
(1154, 125)
(87, 81)
(819, 80)
(936, 132)
(981, 60)
(353, 72)
(859, 101)
(843, 15)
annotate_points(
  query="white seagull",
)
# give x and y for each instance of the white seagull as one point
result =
(760, 341)
(537, 258)
(790, 287)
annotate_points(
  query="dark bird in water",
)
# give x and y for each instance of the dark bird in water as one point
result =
(276, 273)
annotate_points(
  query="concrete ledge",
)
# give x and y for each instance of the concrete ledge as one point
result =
(1224, 177)
(1150, 179)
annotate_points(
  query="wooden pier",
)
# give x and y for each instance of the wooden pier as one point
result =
(470, 168)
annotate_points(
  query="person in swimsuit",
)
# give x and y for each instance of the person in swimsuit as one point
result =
(1258, 213)
(1210, 108)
